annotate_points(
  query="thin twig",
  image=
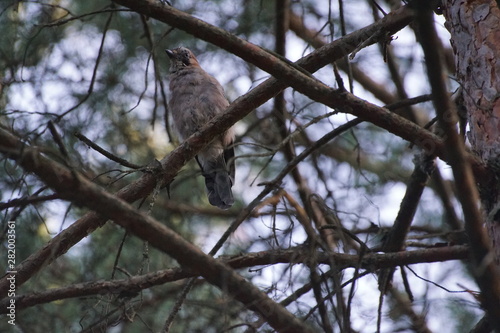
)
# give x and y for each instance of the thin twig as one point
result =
(106, 153)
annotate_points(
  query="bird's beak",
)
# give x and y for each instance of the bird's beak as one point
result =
(169, 53)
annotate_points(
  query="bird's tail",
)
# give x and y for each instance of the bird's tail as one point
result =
(218, 183)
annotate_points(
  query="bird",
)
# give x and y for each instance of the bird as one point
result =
(195, 98)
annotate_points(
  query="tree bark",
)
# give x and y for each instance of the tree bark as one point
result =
(475, 37)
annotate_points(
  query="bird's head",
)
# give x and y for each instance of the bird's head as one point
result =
(180, 58)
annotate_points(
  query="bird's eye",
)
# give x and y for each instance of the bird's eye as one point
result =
(185, 58)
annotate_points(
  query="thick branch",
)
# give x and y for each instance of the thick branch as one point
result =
(76, 188)
(396, 236)
(293, 74)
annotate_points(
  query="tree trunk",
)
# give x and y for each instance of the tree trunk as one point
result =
(475, 37)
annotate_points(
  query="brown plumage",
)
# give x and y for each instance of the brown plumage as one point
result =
(195, 98)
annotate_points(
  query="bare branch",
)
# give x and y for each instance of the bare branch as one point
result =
(74, 187)
(134, 284)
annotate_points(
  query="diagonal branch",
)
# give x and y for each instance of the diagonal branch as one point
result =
(395, 238)
(314, 38)
(74, 187)
(297, 76)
